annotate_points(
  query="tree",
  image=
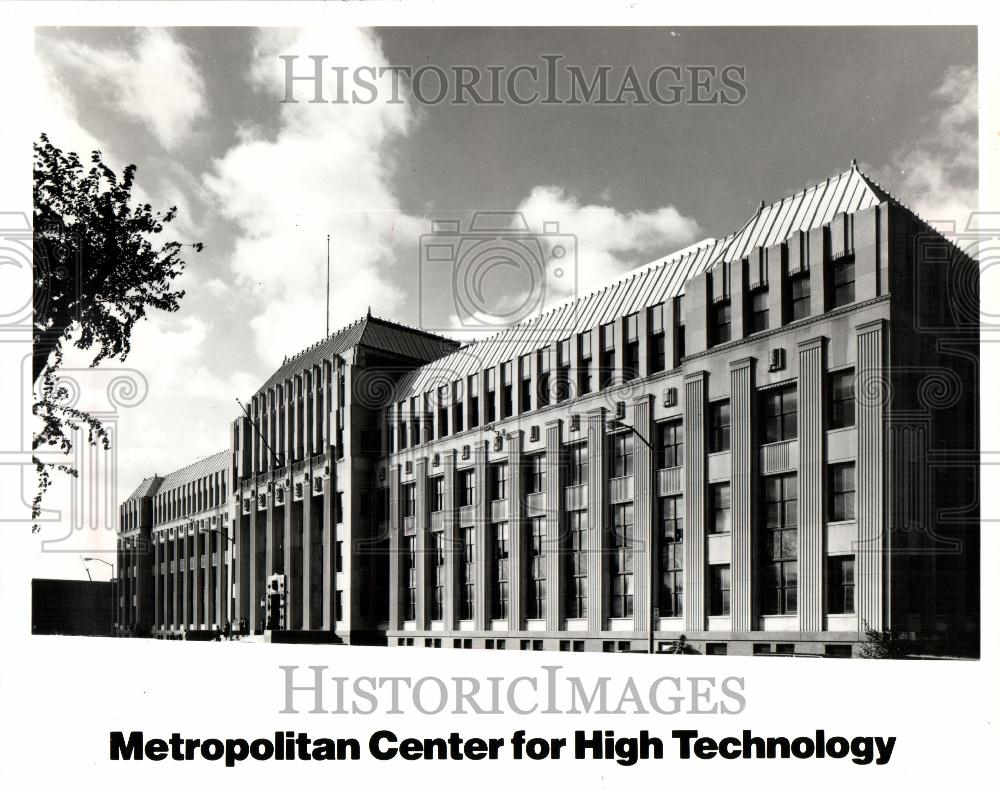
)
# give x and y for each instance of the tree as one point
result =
(879, 643)
(97, 271)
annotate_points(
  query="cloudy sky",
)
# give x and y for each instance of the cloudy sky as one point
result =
(262, 183)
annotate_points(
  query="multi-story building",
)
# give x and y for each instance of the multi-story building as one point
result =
(763, 443)
(174, 553)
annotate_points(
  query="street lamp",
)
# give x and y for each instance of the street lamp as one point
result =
(619, 425)
(114, 584)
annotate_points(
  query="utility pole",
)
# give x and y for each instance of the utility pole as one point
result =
(619, 424)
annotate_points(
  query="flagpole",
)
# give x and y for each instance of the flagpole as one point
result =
(328, 285)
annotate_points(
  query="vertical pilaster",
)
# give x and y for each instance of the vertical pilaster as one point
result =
(157, 593)
(553, 525)
(182, 563)
(517, 549)
(250, 564)
(694, 500)
(811, 484)
(644, 552)
(871, 393)
(483, 539)
(288, 554)
(197, 593)
(306, 534)
(453, 555)
(423, 542)
(396, 582)
(741, 390)
(597, 521)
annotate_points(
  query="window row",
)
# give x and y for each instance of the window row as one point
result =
(796, 302)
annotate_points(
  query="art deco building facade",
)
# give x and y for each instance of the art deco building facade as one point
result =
(761, 443)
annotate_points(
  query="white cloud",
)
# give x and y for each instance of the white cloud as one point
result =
(938, 177)
(155, 82)
(327, 169)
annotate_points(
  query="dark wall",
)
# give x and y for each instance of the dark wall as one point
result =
(71, 607)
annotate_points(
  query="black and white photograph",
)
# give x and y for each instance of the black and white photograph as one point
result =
(473, 398)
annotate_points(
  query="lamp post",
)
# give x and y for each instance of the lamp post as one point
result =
(114, 585)
(619, 425)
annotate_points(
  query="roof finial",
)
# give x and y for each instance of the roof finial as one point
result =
(369, 311)
(854, 164)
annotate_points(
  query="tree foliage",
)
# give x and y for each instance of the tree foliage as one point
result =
(98, 269)
(879, 644)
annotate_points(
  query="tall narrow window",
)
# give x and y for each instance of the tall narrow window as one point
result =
(544, 386)
(410, 608)
(622, 583)
(437, 493)
(467, 585)
(442, 411)
(842, 491)
(781, 412)
(607, 355)
(457, 408)
(585, 362)
(536, 569)
(622, 455)
(473, 400)
(501, 569)
(491, 395)
(679, 328)
(563, 388)
(780, 543)
(631, 357)
(657, 340)
(437, 607)
(840, 584)
(758, 310)
(842, 399)
(842, 281)
(672, 557)
(466, 487)
(507, 389)
(799, 296)
(525, 383)
(409, 499)
(578, 464)
(718, 603)
(718, 426)
(671, 445)
(535, 473)
(722, 322)
(498, 482)
(721, 508)
(576, 565)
